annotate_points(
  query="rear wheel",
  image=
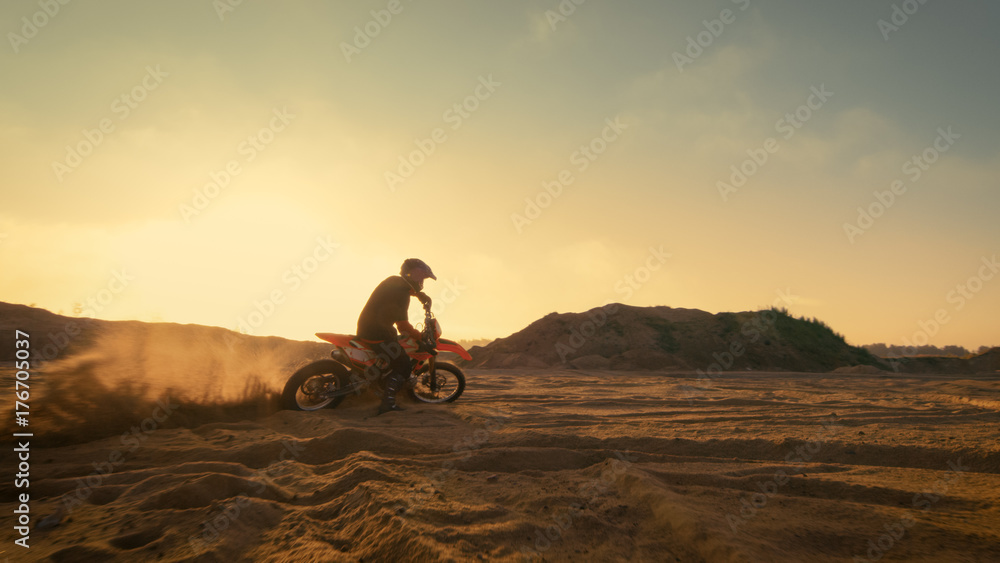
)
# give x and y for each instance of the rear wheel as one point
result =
(446, 385)
(313, 387)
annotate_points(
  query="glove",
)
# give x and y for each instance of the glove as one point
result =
(424, 298)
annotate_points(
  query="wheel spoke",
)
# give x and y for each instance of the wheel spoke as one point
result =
(315, 386)
(445, 385)
(314, 392)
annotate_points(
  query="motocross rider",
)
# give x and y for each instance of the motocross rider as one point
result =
(388, 305)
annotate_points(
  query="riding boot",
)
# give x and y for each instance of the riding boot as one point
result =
(392, 384)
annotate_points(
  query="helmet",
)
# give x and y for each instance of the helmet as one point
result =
(414, 268)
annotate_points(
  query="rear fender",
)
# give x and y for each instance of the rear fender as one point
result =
(336, 339)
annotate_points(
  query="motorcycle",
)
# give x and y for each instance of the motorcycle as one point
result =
(355, 366)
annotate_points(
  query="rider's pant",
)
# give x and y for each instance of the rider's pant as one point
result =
(399, 366)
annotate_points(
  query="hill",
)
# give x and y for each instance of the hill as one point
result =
(89, 376)
(619, 336)
(987, 362)
(51, 335)
(54, 336)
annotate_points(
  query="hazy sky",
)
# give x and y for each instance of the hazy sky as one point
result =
(284, 157)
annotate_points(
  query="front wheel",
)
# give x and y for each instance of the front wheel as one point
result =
(445, 386)
(315, 386)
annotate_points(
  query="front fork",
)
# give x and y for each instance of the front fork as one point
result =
(430, 371)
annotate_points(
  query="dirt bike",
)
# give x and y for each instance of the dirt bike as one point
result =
(356, 365)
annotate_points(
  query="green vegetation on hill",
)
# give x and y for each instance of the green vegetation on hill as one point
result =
(664, 333)
(730, 323)
(820, 342)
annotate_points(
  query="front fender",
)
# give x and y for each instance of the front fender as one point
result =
(445, 345)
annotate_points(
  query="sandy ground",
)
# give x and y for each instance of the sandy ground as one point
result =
(554, 466)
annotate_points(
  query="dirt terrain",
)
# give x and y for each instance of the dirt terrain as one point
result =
(544, 464)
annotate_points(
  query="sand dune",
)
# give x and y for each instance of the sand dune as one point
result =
(553, 465)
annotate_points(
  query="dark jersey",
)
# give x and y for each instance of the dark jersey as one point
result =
(387, 305)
